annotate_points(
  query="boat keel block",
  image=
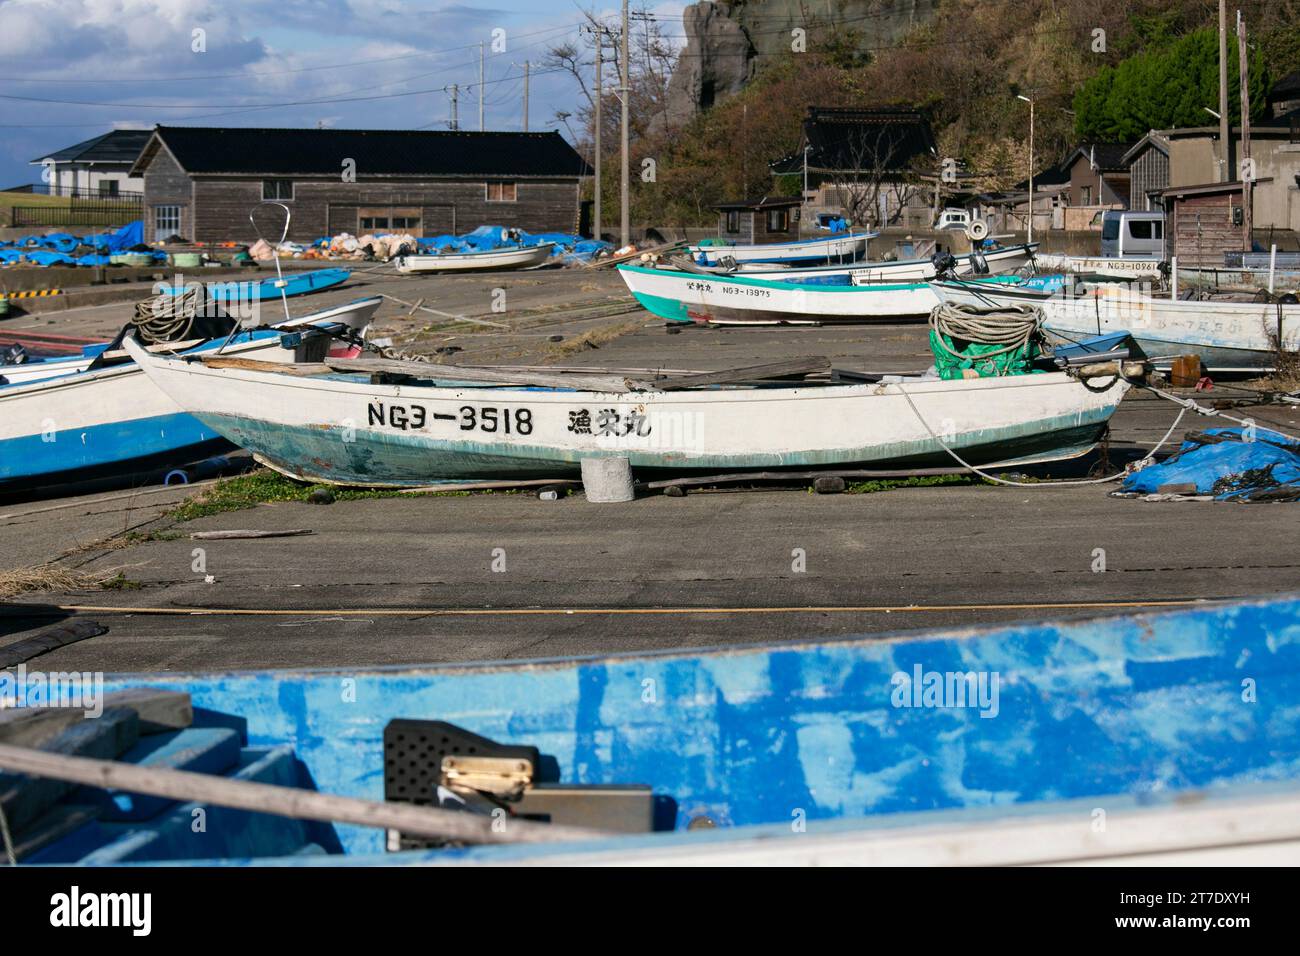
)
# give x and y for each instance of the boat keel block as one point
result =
(607, 480)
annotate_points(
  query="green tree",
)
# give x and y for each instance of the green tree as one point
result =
(1162, 89)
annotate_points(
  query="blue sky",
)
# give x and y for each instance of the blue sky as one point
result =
(383, 63)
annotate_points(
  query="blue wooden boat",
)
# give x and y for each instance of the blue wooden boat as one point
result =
(297, 283)
(813, 752)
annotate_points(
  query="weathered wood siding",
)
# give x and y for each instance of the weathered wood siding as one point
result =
(763, 234)
(1150, 173)
(166, 184)
(328, 207)
(1203, 229)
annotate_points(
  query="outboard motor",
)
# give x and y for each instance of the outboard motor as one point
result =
(944, 263)
(978, 264)
(13, 355)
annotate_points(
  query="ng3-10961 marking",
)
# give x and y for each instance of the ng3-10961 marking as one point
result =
(486, 418)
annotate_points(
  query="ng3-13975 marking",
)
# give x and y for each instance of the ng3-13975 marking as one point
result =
(483, 418)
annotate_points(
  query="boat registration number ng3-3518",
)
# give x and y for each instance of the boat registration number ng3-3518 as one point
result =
(484, 418)
(518, 420)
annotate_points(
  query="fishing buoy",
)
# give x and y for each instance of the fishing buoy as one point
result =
(607, 480)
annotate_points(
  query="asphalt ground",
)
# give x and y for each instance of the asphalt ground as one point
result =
(410, 580)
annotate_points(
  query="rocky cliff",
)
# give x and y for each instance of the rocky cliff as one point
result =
(731, 41)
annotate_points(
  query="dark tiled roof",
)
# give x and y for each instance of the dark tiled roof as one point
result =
(1109, 157)
(1286, 87)
(767, 202)
(856, 139)
(377, 152)
(116, 146)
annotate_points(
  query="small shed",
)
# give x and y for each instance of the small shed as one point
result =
(1205, 221)
(757, 221)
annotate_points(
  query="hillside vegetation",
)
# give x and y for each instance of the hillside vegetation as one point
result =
(1101, 72)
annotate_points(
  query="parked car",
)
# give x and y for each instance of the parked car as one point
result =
(1126, 234)
(952, 218)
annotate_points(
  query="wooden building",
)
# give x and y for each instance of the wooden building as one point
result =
(754, 221)
(865, 165)
(1203, 222)
(1099, 176)
(201, 183)
(1148, 164)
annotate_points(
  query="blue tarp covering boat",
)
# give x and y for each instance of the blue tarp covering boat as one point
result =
(57, 248)
(846, 735)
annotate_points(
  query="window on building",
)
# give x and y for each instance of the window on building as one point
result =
(278, 189)
(371, 223)
(778, 220)
(502, 192)
(406, 223)
(733, 220)
(166, 221)
(1087, 196)
(108, 189)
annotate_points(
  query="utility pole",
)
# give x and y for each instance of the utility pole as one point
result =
(1020, 96)
(625, 91)
(600, 95)
(1225, 130)
(481, 127)
(455, 106)
(1248, 174)
(525, 96)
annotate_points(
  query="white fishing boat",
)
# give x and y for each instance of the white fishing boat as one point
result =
(849, 247)
(111, 419)
(986, 262)
(418, 423)
(681, 296)
(1119, 268)
(1230, 337)
(487, 260)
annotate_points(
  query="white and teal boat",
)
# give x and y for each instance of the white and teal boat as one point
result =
(846, 247)
(744, 300)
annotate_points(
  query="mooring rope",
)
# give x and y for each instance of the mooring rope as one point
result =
(1012, 327)
(167, 317)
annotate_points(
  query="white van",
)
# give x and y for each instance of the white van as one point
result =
(1126, 234)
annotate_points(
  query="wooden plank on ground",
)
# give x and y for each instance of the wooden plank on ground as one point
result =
(48, 639)
(800, 366)
(471, 373)
(248, 533)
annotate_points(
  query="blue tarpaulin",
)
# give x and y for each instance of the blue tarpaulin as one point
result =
(1232, 464)
(57, 247)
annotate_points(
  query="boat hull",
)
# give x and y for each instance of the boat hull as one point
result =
(348, 430)
(1100, 265)
(849, 248)
(908, 270)
(115, 420)
(494, 260)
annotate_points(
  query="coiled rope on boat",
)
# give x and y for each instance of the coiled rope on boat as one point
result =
(1012, 327)
(167, 317)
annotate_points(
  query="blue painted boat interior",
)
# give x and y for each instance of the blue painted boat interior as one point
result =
(1146, 706)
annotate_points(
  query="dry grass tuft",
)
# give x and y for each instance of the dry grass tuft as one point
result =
(591, 339)
(48, 577)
